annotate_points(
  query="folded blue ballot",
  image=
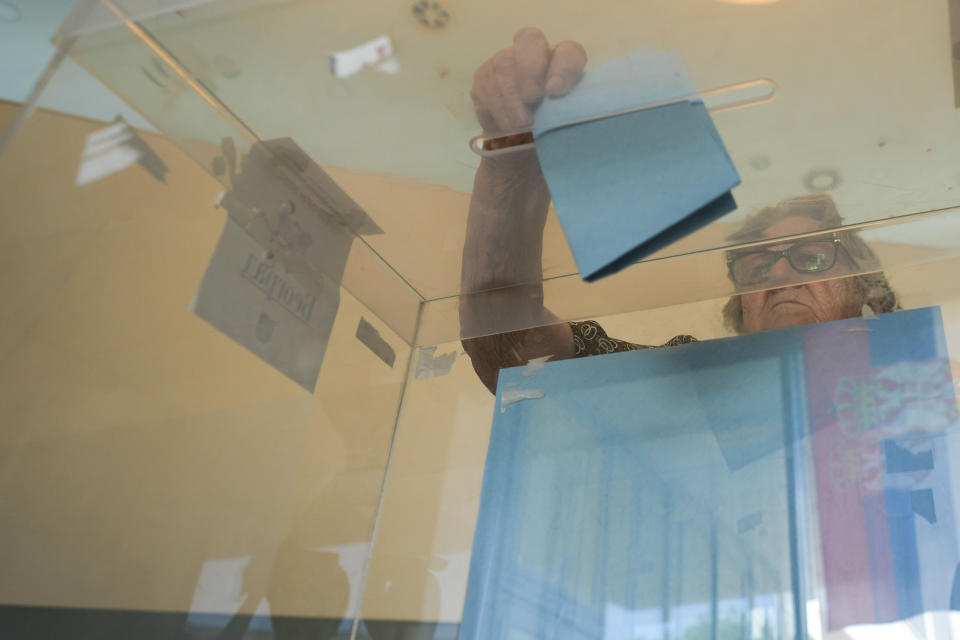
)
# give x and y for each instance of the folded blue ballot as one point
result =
(627, 185)
(745, 481)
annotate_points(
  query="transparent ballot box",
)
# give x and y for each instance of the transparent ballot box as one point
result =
(293, 345)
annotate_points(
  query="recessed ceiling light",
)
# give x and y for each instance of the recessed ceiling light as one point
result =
(9, 12)
(820, 180)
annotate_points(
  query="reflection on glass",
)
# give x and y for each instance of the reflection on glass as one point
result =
(781, 284)
(772, 485)
(751, 268)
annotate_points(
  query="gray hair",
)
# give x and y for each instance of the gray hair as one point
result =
(871, 289)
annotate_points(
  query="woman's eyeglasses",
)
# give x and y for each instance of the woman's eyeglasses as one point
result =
(816, 255)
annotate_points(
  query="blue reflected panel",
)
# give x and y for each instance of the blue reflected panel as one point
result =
(677, 492)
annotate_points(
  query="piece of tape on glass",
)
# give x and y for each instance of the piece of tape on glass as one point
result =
(510, 397)
(376, 52)
(430, 365)
(368, 335)
(536, 364)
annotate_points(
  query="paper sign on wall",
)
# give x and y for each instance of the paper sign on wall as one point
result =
(282, 317)
(115, 148)
(273, 282)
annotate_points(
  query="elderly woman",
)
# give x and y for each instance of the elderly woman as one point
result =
(509, 207)
(798, 262)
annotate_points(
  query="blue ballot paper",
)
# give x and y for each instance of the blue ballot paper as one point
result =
(627, 185)
(677, 490)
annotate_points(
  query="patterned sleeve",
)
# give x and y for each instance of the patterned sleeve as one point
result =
(589, 339)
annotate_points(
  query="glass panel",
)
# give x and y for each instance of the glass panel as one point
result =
(837, 123)
(434, 488)
(158, 479)
(893, 243)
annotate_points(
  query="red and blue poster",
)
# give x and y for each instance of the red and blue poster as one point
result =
(880, 424)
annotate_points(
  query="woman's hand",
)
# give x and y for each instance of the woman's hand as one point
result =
(508, 87)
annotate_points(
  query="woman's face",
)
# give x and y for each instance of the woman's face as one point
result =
(799, 304)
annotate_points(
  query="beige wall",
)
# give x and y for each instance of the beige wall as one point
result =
(137, 442)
